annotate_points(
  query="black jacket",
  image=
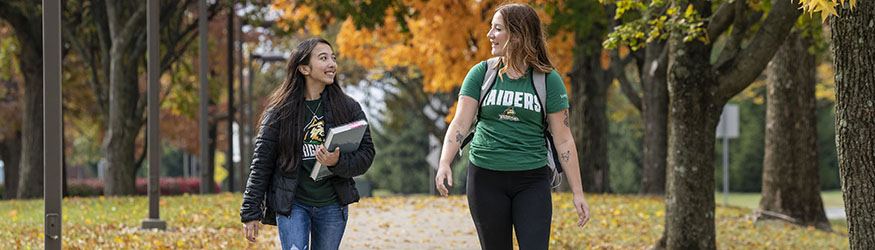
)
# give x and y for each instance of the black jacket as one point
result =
(270, 186)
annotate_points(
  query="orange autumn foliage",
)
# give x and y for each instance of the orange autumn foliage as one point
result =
(444, 42)
(445, 39)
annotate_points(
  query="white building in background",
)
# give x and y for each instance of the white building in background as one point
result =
(2, 170)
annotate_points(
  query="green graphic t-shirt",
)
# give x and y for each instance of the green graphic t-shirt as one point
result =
(313, 193)
(510, 132)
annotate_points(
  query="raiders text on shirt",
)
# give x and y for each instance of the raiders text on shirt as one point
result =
(514, 99)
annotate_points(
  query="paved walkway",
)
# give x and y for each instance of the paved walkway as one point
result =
(397, 223)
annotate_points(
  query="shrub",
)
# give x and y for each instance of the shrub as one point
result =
(84, 187)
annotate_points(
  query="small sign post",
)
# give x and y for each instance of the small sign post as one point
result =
(727, 129)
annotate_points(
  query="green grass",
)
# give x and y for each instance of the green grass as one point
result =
(212, 221)
(382, 193)
(634, 222)
(195, 222)
(832, 198)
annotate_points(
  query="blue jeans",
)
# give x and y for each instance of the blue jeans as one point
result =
(325, 223)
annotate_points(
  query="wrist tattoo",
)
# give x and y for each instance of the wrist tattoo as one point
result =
(459, 137)
(566, 156)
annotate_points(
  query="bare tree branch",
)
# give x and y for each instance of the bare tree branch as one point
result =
(721, 19)
(169, 87)
(187, 37)
(93, 79)
(135, 23)
(418, 98)
(750, 62)
(105, 42)
(618, 70)
(739, 30)
(111, 16)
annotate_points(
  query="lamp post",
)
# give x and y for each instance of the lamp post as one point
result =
(230, 153)
(154, 131)
(203, 94)
(52, 139)
(240, 135)
(247, 117)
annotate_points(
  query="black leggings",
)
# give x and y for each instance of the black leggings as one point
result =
(501, 201)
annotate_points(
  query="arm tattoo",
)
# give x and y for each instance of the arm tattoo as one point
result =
(566, 118)
(459, 137)
(566, 156)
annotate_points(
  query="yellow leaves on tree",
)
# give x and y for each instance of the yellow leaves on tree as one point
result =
(827, 7)
(293, 13)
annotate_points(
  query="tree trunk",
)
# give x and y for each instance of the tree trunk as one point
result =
(853, 33)
(126, 51)
(791, 183)
(588, 104)
(124, 126)
(115, 39)
(654, 109)
(689, 201)
(697, 92)
(10, 154)
(30, 184)
(64, 191)
(24, 17)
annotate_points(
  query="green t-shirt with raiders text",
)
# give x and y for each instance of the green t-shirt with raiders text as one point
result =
(313, 193)
(510, 132)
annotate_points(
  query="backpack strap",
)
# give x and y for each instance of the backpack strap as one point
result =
(539, 82)
(488, 80)
(485, 87)
(539, 79)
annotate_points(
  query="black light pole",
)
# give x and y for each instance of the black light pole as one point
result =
(52, 140)
(230, 153)
(205, 188)
(153, 221)
(244, 162)
(247, 126)
(263, 59)
(247, 102)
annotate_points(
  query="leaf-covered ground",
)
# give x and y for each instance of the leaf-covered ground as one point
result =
(412, 222)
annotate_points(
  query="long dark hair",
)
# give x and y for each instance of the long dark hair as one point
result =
(288, 104)
(526, 42)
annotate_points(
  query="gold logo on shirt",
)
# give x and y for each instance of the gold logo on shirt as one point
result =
(509, 115)
(315, 130)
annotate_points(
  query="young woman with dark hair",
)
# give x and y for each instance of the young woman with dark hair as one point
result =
(508, 184)
(289, 143)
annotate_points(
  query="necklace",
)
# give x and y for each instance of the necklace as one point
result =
(317, 107)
